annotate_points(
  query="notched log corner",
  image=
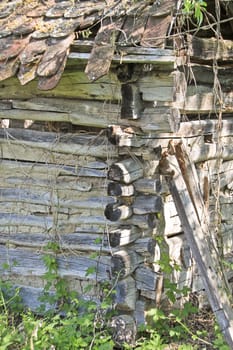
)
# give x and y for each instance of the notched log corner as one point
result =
(132, 104)
(115, 211)
(127, 171)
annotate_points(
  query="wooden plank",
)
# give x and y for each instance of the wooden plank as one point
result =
(161, 58)
(155, 32)
(103, 50)
(188, 200)
(88, 242)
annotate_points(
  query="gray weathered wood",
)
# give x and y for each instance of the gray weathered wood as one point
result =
(126, 294)
(147, 204)
(117, 189)
(124, 262)
(146, 278)
(116, 211)
(190, 209)
(27, 262)
(124, 235)
(83, 144)
(126, 171)
(75, 241)
(150, 186)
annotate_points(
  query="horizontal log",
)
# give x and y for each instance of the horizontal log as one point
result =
(115, 211)
(209, 49)
(75, 241)
(147, 247)
(58, 199)
(211, 151)
(126, 171)
(124, 235)
(149, 186)
(49, 146)
(204, 127)
(31, 298)
(73, 84)
(204, 74)
(203, 101)
(63, 223)
(224, 175)
(124, 262)
(147, 204)
(26, 262)
(117, 189)
(77, 112)
(147, 221)
(156, 56)
(146, 278)
(125, 136)
(87, 169)
(126, 294)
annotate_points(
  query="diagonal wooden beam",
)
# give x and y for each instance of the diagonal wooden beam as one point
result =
(189, 203)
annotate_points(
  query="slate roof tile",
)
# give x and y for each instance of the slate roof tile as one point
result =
(36, 35)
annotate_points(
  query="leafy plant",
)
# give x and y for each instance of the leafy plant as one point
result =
(195, 9)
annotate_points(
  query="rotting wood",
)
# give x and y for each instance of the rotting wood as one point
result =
(123, 328)
(188, 200)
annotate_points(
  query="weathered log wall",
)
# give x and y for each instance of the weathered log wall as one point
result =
(81, 166)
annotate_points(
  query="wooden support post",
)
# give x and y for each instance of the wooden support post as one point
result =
(185, 191)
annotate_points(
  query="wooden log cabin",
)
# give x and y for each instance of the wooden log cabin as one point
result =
(93, 98)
